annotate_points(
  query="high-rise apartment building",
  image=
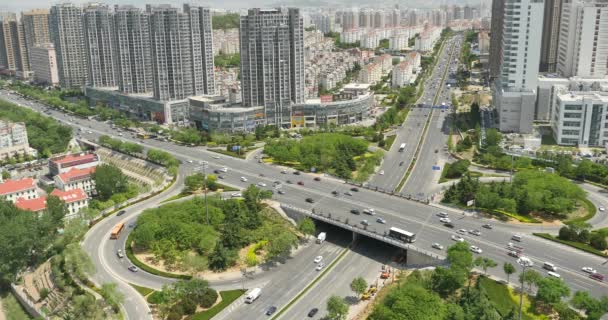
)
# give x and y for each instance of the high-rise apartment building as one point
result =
(98, 38)
(13, 51)
(181, 52)
(67, 34)
(43, 60)
(272, 62)
(548, 51)
(133, 51)
(583, 39)
(515, 86)
(36, 26)
(496, 29)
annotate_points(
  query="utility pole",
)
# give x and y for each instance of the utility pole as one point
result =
(524, 263)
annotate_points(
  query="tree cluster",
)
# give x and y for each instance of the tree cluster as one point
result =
(177, 233)
(44, 133)
(227, 60)
(226, 21)
(580, 233)
(531, 191)
(457, 169)
(183, 297)
(129, 148)
(330, 152)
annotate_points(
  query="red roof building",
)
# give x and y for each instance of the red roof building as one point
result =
(65, 163)
(11, 190)
(35, 205)
(76, 179)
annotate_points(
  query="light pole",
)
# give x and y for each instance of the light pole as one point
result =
(524, 263)
(204, 168)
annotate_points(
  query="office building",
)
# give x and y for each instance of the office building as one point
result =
(98, 32)
(583, 39)
(515, 88)
(551, 26)
(272, 62)
(43, 63)
(36, 27)
(133, 51)
(67, 34)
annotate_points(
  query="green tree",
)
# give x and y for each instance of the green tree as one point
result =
(358, 285)
(307, 226)
(531, 277)
(109, 180)
(594, 309)
(5, 175)
(598, 241)
(194, 182)
(112, 296)
(457, 169)
(493, 138)
(220, 260)
(484, 263)
(446, 281)
(551, 290)
(84, 307)
(78, 261)
(509, 269)
(280, 245)
(337, 309)
(413, 301)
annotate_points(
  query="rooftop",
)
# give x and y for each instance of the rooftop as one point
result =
(37, 204)
(70, 195)
(75, 157)
(76, 173)
(12, 186)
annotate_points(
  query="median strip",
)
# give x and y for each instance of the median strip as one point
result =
(305, 290)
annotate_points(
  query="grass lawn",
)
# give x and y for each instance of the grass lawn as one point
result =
(389, 142)
(504, 299)
(227, 298)
(12, 308)
(142, 290)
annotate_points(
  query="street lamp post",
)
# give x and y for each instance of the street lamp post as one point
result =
(204, 168)
(524, 263)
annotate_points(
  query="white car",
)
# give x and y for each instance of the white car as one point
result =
(437, 246)
(445, 220)
(462, 231)
(224, 169)
(601, 208)
(190, 161)
(261, 184)
(589, 270)
(476, 249)
(318, 259)
(369, 211)
(554, 274)
(320, 266)
(216, 157)
(243, 179)
(381, 172)
(475, 232)
(381, 220)
(457, 238)
(236, 195)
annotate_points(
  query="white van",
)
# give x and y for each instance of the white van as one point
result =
(516, 237)
(253, 295)
(553, 274)
(549, 266)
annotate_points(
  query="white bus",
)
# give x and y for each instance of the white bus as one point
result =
(402, 147)
(402, 235)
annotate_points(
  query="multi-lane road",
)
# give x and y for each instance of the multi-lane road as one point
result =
(408, 215)
(412, 132)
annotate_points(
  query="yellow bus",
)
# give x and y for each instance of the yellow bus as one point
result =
(117, 230)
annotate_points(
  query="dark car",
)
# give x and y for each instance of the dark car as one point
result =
(217, 171)
(271, 310)
(488, 226)
(297, 173)
(317, 179)
(288, 182)
(449, 225)
(312, 312)
(300, 183)
(310, 200)
(354, 189)
(335, 193)
(596, 276)
(221, 177)
(121, 212)
(355, 211)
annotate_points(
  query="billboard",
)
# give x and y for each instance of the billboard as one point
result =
(327, 98)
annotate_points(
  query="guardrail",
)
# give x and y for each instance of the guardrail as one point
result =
(423, 200)
(363, 231)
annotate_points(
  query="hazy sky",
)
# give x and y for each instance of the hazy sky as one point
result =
(19, 5)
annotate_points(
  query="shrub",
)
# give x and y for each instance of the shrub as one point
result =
(177, 309)
(208, 298)
(44, 292)
(174, 316)
(598, 241)
(565, 233)
(189, 306)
